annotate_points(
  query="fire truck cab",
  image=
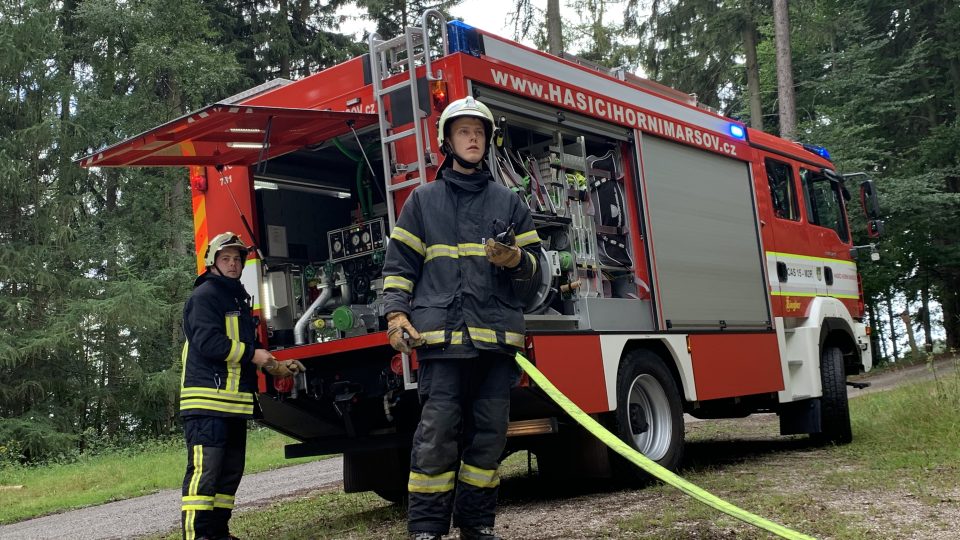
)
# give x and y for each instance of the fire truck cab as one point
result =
(693, 265)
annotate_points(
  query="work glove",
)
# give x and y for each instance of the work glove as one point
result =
(282, 369)
(501, 254)
(403, 336)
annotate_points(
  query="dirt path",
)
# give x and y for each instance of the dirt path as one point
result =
(526, 513)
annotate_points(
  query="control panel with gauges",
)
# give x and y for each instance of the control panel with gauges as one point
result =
(356, 240)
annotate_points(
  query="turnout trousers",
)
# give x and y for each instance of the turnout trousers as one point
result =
(459, 441)
(216, 453)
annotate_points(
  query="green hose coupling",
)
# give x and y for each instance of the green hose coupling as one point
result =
(343, 318)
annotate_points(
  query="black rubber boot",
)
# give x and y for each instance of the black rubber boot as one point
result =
(424, 535)
(478, 533)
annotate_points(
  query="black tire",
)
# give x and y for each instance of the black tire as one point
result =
(396, 496)
(384, 472)
(649, 414)
(834, 408)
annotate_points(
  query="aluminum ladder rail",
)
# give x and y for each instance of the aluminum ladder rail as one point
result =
(385, 57)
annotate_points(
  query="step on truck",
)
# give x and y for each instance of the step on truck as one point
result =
(693, 265)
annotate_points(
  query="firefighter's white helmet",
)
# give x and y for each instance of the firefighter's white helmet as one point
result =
(467, 106)
(221, 241)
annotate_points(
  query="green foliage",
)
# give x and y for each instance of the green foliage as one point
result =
(92, 283)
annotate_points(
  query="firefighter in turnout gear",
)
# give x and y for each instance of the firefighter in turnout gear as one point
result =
(461, 263)
(217, 390)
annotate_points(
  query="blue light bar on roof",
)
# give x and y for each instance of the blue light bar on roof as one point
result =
(737, 131)
(818, 150)
(462, 37)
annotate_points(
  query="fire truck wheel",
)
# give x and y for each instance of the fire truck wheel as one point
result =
(834, 410)
(384, 472)
(649, 410)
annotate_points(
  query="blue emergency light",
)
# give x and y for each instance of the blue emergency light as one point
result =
(737, 131)
(818, 150)
(461, 37)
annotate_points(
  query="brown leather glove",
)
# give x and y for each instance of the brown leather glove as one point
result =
(283, 369)
(403, 336)
(501, 254)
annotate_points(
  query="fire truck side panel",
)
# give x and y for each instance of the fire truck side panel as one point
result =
(729, 365)
(704, 237)
(614, 346)
(343, 87)
(566, 76)
(576, 366)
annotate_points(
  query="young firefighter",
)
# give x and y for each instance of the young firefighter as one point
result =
(220, 361)
(458, 270)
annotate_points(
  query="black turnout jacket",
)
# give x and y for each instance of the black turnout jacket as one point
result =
(219, 377)
(437, 273)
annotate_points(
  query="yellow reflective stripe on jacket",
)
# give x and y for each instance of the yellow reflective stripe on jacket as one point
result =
(213, 405)
(441, 250)
(408, 238)
(471, 250)
(213, 393)
(454, 252)
(237, 349)
(475, 476)
(398, 282)
(527, 238)
(482, 334)
(183, 363)
(513, 338)
(223, 501)
(434, 336)
(426, 483)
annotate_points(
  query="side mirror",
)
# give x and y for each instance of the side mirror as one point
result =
(875, 228)
(869, 200)
(874, 254)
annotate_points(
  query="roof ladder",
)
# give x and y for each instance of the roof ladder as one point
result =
(387, 58)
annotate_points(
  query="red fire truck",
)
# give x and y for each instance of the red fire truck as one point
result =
(693, 265)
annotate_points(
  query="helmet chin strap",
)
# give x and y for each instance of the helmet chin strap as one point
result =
(448, 149)
(467, 164)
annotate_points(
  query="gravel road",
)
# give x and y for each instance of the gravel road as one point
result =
(156, 513)
(159, 512)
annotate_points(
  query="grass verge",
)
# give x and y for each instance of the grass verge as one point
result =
(117, 475)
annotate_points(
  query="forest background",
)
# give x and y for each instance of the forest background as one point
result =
(95, 264)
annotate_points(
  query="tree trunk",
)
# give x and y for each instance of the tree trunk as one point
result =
(893, 330)
(285, 55)
(878, 348)
(908, 323)
(950, 302)
(925, 316)
(554, 28)
(785, 97)
(753, 74)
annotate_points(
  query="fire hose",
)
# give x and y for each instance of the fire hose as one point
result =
(648, 465)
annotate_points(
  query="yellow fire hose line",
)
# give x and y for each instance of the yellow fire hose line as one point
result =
(646, 463)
